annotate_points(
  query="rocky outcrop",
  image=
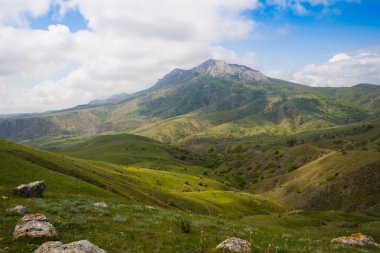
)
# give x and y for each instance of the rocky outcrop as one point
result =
(80, 247)
(357, 239)
(17, 210)
(216, 68)
(31, 190)
(35, 226)
(233, 244)
(101, 204)
(26, 127)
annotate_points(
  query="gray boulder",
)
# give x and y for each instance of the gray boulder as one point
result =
(233, 244)
(17, 210)
(31, 190)
(77, 247)
(101, 204)
(356, 239)
(35, 226)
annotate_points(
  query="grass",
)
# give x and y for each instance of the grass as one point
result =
(143, 229)
(133, 184)
(335, 181)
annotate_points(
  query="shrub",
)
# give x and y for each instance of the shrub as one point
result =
(270, 165)
(292, 167)
(184, 223)
(332, 177)
(119, 218)
(291, 142)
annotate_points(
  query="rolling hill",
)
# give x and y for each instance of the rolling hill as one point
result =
(68, 177)
(348, 182)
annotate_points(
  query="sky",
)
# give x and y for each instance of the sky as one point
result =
(56, 54)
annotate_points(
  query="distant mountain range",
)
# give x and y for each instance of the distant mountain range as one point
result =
(212, 100)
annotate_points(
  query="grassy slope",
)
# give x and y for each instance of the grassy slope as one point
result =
(123, 149)
(348, 181)
(167, 189)
(256, 158)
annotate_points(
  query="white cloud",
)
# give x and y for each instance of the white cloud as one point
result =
(129, 45)
(339, 57)
(300, 6)
(14, 11)
(344, 69)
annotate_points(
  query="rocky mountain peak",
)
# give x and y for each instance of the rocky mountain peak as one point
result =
(214, 68)
(217, 68)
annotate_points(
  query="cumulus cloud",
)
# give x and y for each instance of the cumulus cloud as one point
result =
(128, 46)
(15, 11)
(341, 70)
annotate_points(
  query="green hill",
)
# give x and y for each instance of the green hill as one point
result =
(348, 182)
(20, 164)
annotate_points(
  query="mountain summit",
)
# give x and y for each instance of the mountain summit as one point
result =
(213, 68)
(216, 68)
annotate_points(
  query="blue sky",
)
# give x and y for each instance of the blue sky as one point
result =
(290, 40)
(57, 54)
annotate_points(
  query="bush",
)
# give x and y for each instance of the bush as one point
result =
(184, 224)
(291, 142)
(292, 167)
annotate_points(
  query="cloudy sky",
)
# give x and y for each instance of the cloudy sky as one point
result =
(59, 53)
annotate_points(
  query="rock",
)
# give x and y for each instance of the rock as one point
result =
(293, 212)
(35, 226)
(357, 239)
(350, 224)
(319, 223)
(101, 204)
(4, 197)
(19, 209)
(233, 244)
(78, 247)
(31, 190)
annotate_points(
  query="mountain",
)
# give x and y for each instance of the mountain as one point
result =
(212, 68)
(212, 100)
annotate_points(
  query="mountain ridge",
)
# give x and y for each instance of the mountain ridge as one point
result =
(219, 98)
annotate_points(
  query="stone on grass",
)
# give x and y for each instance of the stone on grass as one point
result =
(17, 210)
(350, 224)
(101, 204)
(31, 190)
(78, 247)
(293, 212)
(35, 226)
(233, 244)
(357, 239)
(4, 197)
